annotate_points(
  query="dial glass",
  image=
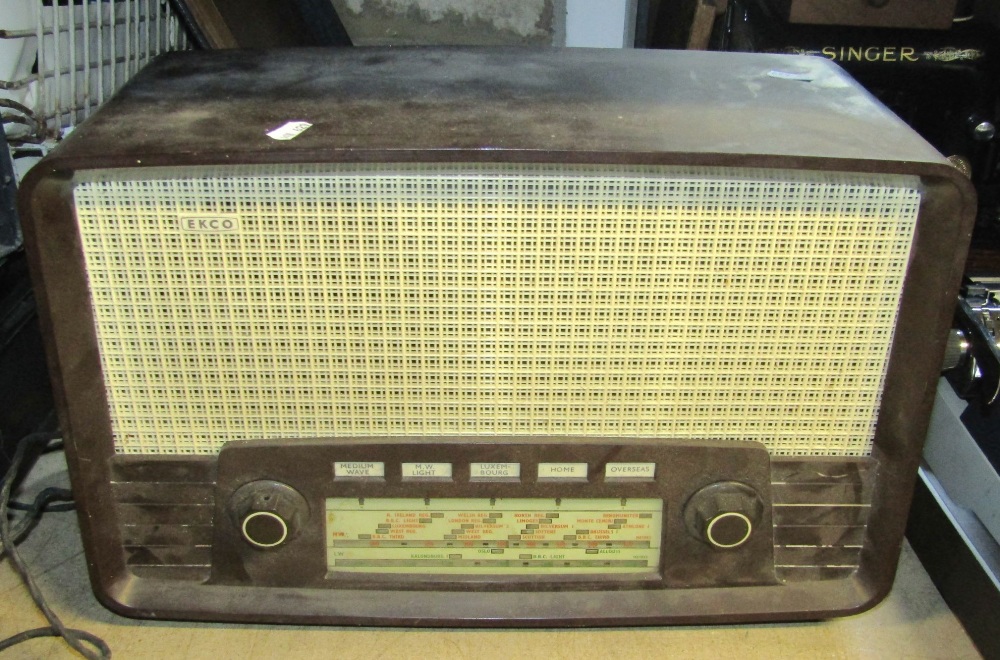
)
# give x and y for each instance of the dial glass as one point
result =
(506, 536)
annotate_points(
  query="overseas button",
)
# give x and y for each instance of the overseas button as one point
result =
(630, 470)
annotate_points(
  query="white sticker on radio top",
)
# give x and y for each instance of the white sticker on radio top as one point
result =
(289, 130)
(803, 76)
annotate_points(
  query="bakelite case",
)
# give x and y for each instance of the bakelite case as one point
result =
(160, 522)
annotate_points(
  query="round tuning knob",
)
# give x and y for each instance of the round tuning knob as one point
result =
(268, 513)
(723, 514)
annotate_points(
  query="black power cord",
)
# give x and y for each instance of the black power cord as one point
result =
(43, 502)
(77, 639)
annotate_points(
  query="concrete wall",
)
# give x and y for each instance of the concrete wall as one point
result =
(454, 22)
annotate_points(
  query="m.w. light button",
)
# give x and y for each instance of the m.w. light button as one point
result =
(426, 471)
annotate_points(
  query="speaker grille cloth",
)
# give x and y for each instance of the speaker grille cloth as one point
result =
(411, 300)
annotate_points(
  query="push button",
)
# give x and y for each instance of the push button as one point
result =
(630, 470)
(423, 471)
(561, 471)
(358, 470)
(494, 471)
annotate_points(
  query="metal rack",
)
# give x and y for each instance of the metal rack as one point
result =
(72, 58)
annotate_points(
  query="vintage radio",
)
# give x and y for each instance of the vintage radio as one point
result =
(494, 337)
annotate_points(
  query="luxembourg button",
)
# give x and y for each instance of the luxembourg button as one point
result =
(358, 470)
(487, 471)
(630, 470)
(427, 470)
(562, 471)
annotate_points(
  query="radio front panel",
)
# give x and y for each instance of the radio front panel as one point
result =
(364, 514)
(499, 338)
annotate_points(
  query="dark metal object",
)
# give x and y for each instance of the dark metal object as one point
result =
(574, 106)
(954, 524)
(986, 353)
(24, 381)
(10, 227)
(974, 368)
(958, 574)
(919, 14)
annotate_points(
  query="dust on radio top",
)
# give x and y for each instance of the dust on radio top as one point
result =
(462, 104)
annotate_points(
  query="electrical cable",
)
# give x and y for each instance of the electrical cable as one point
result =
(20, 107)
(22, 151)
(75, 638)
(16, 138)
(35, 633)
(43, 503)
(26, 117)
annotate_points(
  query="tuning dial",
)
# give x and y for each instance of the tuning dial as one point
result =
(723, 514)
(268, 513)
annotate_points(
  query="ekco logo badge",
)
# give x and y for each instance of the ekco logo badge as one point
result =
(210, 223)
